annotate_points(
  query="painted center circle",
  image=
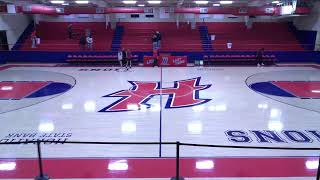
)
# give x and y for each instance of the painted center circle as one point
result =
(24, 88)
(298, 88)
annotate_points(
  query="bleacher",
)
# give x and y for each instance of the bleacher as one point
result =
(182, 41)
(137, 36)
(269, 35)
(54, 36)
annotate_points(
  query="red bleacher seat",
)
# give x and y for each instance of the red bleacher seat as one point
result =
(137, 36)
(273, 36)
(54, 36)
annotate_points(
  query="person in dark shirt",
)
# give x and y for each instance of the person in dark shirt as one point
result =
(154, 41)
(129, 59)
(70, 31)
(259, 57)
(124, 55)
(158, 39)
(82, 42)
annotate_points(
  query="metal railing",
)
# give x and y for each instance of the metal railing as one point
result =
(178, 144)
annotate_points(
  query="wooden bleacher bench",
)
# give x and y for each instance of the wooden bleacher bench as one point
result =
(237, 59)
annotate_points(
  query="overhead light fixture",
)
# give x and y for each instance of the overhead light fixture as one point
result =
(82, 2)
(216, 5)
(129, 2)
(154, 2)
(201, 2)
(57, 2)
(65, 4)
(141, 5)
(315, 91)
(226, 2)
(275, 2)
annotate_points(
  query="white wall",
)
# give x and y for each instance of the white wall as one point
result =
(71, 18)
(311, 22)
(14, 25)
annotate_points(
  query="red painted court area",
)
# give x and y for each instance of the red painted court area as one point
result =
(19, 90)
(162, 167)
(300, 89)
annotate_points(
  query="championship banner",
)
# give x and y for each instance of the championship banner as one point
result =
(169, 61)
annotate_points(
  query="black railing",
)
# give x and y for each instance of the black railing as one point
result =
(42, 176)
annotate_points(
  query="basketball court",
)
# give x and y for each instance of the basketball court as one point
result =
(198, 105)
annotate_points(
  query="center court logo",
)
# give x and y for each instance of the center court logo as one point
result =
(184, 93)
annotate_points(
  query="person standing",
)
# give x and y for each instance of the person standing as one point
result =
(89, 42)
(129, 59)
(120, 57)
(155, 58)
(124, 55)
(70, 31)
(82, 42)
(229, 44)
(158, 39)
(154, 41)
(33, 40)
(259, 57)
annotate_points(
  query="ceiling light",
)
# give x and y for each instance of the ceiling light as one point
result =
(82, 2)
(129, 2)
(57, 2)
(215, 4)
(141, 5)
(201, 2)
(275, 2)
(226, 2)
(315, 91)
(154, 2)
(65, 4)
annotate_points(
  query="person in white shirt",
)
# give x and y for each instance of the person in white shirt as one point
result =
(120, 57)
(229, 44)
(89, 42)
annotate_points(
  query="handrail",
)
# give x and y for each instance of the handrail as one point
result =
(42, 176)
(158, 143)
